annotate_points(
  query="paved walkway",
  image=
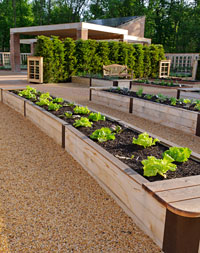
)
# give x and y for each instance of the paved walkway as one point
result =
(48, 203)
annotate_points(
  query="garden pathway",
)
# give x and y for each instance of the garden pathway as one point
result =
(48, 203)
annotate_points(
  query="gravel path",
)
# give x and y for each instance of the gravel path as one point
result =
(48, 203)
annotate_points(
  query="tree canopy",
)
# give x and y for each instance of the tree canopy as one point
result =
(173, 23)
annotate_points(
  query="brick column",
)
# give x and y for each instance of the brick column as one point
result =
(32, 48)
(15, 52)
(82, 34)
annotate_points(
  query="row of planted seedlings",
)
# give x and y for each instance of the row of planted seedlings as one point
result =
(185, 103)
(169, 83)
(139, 151)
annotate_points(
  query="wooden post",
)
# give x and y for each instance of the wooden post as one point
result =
(15, 52)
(194, 69)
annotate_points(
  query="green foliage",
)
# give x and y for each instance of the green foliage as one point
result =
(28, 93)
(116, 128)
(54, 106)
(144, 140)
(148, 96)
(139, 61)
(45, 96)
(43, 101)
(113, 51)
(155, 58)
(173, 101)
(58, 100)
(153, 166)
(197, 106)
(178, 154)
(62, 59)
(147, 61)
(139, 92)
(81, 110)
(161, 98)
(68, 114)
(70, 58)
(58, 59)
(45, 48)
(103, 134)
(186, 101)
(83, 122)
(96, 116)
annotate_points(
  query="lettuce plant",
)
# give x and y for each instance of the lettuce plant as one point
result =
(103, 134)
(42, 101)
(53, 106)
(161, 98)
(153, 166)
(68, 114)
(197, 106)
(148, 96)
(58, 100)
(178, 154)
(27, 94)
(83, 122)
(173, 101)
(144, 140)
(139, 92)
(32, 90)
(45, 96)
(81, 110)
(96, 116)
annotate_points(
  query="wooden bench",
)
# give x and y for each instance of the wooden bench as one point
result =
(117, 70)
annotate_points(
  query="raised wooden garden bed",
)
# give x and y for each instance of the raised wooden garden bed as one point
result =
(102, 82)
(190, 93)
(168, 211)
(182, 119)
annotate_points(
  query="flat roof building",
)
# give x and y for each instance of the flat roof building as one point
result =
(128, 29)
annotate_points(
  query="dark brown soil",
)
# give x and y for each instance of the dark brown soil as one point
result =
(153, 99)
(122, 147)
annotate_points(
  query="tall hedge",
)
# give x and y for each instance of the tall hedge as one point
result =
(45, 48)
(62, 59)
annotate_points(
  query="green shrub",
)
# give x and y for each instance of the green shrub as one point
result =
(70, 58)
(45, 48)
(62, 59)
(139, 61)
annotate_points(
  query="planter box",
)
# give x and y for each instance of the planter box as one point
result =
(185, 120)
(190, 93)
(101, 82)
(168, 211)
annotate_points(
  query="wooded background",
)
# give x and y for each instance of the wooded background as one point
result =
(174, 24)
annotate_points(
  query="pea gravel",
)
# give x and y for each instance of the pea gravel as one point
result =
(48, 203)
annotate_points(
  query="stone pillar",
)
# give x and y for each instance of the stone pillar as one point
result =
(15, 52)
(32, 48)
(82, 34)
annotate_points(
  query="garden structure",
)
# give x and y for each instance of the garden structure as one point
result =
(167, 210)
(165, 111)
(130, 29)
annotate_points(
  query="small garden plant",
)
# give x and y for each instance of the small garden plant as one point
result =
(144, 140)
(139, 92)
(153, 166)
(54, 106)
(58, 100)
(81, 110)
(96, 116)
(68, 114)
(178, 154)
(83, 122)
(103, 134)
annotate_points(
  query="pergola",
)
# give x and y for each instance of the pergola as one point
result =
(81, 30)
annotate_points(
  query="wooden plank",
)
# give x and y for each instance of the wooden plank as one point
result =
(124, 187)
(13, 101)
(48, 124)
(174, 195)
(184, 207)
(173, 184)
